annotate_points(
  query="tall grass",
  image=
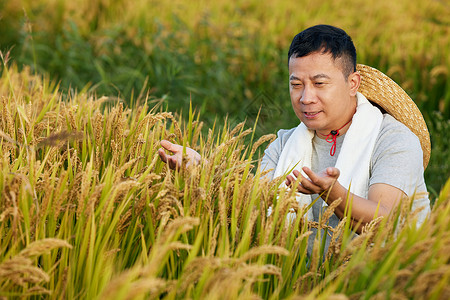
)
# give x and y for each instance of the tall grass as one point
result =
(229, 58)
(89, 211)
(244, 40)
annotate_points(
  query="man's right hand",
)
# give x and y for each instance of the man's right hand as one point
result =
(175, 161)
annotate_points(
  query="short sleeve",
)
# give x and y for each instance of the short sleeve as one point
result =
(397, 159)
(273, 152)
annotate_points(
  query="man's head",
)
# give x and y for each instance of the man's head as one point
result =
(326, 39)
(323, 81)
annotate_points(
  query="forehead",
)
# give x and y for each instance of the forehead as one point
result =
(313, 64)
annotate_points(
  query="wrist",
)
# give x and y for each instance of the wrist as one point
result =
(335, 192)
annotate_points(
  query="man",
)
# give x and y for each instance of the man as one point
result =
(344, 146)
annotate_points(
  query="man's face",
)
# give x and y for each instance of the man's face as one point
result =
(321, 96)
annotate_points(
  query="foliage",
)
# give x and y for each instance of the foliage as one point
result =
(229, 58)
(89, 211)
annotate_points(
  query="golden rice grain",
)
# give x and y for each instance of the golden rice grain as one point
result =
(236, 129)
(8, 139)
(336, 239)
(355, 244)
(214, 238)
(21, 272)
(36, 290)
(7, 119)
(262, 140)
(262, 250)
(180, 225)
(329, 212)
(70, 115)
(117, 123)
(43, 246)
(427, 280)
(98, 128)
(222, 208)
(196, 135)
(119, 173)
(115, 153)
(98, 158)
(144, 286)
(177, 128)
(133, 284)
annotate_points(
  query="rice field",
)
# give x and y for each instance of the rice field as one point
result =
(87, 209)
(229, 58)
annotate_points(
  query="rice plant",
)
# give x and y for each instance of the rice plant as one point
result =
(88, 211)
(229, 58)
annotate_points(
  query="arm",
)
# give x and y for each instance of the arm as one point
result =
(382, 198)
(396, 172)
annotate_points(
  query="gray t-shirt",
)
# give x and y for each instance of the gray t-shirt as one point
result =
(397, 160)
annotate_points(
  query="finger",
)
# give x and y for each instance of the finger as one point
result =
(173, 163)
(307, 170)
(297, 173)
(302, 190)
(311, 174)
(171, 146)
(162, 155)
(299, 176)
(289, 180)
(307, 186)
(310, 184)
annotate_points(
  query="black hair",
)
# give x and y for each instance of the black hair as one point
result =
(327, 39)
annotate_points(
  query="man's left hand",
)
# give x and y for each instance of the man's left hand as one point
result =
(315, 183)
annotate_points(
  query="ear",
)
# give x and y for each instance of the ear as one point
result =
(354, 80)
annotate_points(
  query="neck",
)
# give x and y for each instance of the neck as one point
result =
(335, 132)
(332, 136)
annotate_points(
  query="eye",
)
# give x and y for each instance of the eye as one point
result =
(319, 83)
(296, 84)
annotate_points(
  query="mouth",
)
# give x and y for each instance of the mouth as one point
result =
(311, 114)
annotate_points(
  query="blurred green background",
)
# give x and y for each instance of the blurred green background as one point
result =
(229, 58)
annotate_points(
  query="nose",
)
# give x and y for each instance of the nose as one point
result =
(308, 95)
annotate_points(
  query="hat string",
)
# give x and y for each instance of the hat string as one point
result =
(331, 138)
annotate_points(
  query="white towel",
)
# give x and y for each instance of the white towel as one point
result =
(353, 160)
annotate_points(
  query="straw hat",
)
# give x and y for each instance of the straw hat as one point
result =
(382, 90)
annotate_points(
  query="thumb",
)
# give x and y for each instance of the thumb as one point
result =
(333, 172)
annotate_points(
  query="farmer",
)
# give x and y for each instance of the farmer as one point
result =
(345, 144)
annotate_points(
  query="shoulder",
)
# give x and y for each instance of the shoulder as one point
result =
(391, 126)
(395, 134)
(283, 136)
(273, 151)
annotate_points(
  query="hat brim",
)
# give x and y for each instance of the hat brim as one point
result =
(382, 90)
